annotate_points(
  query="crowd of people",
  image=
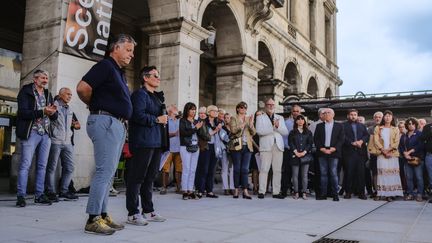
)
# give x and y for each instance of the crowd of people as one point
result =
(346, 158)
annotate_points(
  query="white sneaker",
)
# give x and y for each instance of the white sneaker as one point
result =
(154, 217)
(137, 219)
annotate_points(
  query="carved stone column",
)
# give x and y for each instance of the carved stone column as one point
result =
(174, 48)
(237, 80)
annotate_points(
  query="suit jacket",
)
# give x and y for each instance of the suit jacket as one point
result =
(336, 141)
(362, 134)
(268, 134)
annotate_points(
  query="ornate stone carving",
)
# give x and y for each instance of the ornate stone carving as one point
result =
(257, 11)
(292, 30)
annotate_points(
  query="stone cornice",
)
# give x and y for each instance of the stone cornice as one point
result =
(330, 5)
(240, 59)
(257, 11)
(175, 25)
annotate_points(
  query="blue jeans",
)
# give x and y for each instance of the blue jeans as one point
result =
(42, 144)
(428, 165)
(108, 135)
(241, 160)
(65, 152)
(328, 165)
(410, 173)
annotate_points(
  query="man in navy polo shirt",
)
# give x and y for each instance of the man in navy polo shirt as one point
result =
(104, 89)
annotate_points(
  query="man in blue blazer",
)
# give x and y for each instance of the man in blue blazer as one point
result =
(329, 137)
(354, 155)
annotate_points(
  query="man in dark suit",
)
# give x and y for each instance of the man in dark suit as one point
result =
(354, 155)
(329, 137)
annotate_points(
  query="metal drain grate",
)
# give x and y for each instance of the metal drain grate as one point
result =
(329, 240)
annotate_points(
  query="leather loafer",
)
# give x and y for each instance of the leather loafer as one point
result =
(336, 198)
(347, 196)
(278, 196)
(211, 195)
(362, 197)
(260, 195)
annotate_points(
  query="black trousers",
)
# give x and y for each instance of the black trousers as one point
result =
(286, 183)
(354, 173)
(142, 172)
(205, 171)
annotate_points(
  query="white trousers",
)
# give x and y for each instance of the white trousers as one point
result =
(189, 163)
(274, 159)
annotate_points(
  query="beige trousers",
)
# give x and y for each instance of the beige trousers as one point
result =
(274, 159)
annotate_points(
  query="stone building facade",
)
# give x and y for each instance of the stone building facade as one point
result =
(261, 49)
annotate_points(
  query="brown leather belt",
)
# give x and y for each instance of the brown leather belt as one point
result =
(102, 112)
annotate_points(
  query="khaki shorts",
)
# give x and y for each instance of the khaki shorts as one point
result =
(173, 157)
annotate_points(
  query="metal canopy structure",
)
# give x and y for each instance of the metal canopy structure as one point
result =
(402, 104)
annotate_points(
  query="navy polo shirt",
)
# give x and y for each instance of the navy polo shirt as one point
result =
(109, 89)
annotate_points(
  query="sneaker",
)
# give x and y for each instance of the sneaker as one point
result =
(98, 226)
(68, 196)
(21, 202)
(113, 192)
(163, 191)
(52, 197)
(419, 198)
(113, 225)
(154, 217)
(42, 200)
(137, 219)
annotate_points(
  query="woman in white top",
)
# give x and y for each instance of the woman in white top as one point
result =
(386, 139)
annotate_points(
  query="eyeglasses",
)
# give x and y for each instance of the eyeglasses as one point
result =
(242, 107)
(154, 75)
(295, 111)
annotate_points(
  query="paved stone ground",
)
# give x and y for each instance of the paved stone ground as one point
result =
(226, 220)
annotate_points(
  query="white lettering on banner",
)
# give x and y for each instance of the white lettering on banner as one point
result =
(77, 29)
(86, 4)
(80, 20)
(80, 32)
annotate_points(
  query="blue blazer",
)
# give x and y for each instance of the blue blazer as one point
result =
(362, 134)
(336, 141)
(144, 132)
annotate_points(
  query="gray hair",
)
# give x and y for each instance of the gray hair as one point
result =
(202, 109)
(63, 90)
(120, 39)
(378, 113)
(39, 72)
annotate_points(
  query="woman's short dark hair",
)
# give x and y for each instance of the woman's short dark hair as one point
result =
(305, 126)
(189, 106)
(393, 121)
(241, 104)
(413, 121)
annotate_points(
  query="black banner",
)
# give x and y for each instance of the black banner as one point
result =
(87, 28)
